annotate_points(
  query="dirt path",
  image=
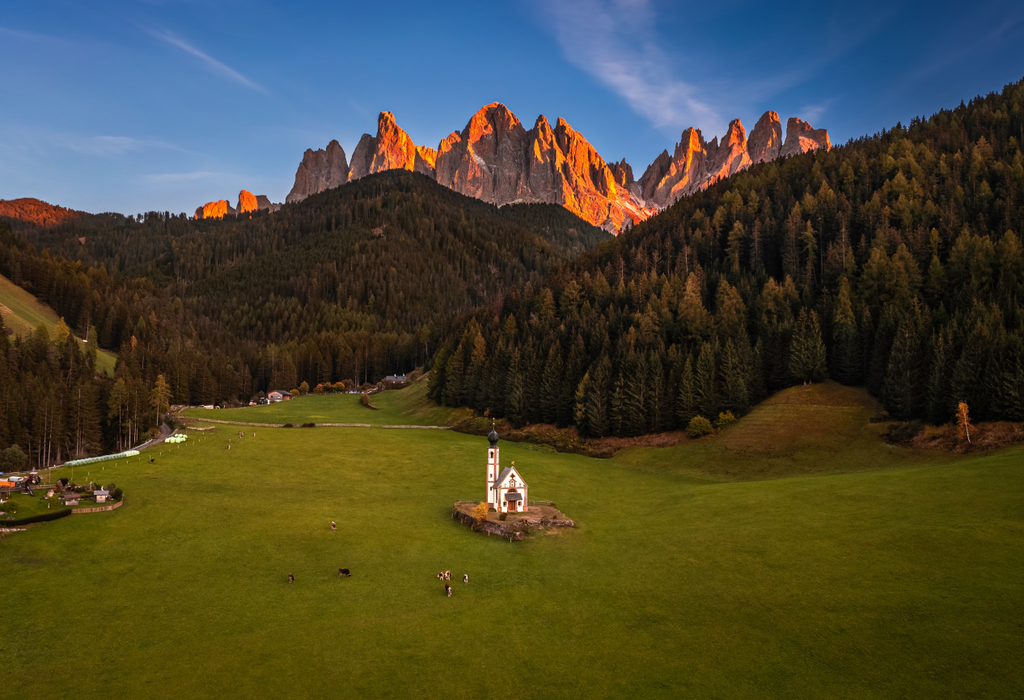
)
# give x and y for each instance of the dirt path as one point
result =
(319, 425)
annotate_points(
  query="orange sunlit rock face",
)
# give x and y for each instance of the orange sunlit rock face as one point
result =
(246, 202)
(319, 170)
(214, 210)
(801, 137)
(494, 158)
(394, 149)
(765, 141)
(697, 164)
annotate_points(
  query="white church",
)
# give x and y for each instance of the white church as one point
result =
(506, 492)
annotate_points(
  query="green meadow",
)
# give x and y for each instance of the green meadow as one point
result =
(405, 407)
(792, 556)
(22, 313)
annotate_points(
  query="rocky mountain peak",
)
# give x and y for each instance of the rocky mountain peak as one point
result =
(801, 137)
(494, 158)
(696, 165)
(214, 210)
(319, 170)
(246, 202)
(765, 141)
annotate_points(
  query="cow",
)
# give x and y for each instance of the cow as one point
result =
(465, 578)
(447, 575)
(448, 590)
(343, 572)
(291, 579)
(333, 525)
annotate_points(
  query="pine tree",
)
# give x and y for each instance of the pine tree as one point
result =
(846, 362)
(939, 403)
(735, 397)
(807, 353)
(903, 396)
(686, 404)
(705, 382)
(436, 383)
(455, 378)
(516, 397)
(551, 385)
(597, 398)
(160, 397)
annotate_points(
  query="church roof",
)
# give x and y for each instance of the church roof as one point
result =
(504, 475)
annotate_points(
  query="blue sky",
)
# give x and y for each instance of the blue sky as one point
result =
(163, 105)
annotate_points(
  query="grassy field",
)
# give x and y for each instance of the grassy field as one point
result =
(23, 313)
(404, 407)
(814, 573)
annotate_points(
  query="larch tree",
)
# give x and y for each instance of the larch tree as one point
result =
(160, 397)
(963, 422)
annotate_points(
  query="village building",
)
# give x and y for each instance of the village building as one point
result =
(279, 395)
(101, 495)
(506, 490)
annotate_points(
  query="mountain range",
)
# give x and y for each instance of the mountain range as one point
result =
(496, 159)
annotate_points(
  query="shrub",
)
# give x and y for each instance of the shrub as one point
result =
(725, 420)
(903, 432)
(364, 399)
(698, 427)
(309, 425)
(42, 518)
(12, 459)
(503, 517)
(288, 425)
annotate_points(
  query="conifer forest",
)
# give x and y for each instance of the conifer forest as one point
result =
(893, 261)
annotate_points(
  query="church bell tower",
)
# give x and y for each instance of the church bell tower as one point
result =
(492, 468)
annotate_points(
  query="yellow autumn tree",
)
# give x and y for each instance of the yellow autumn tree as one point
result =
(963, 422)
(160, 397)
(61, 333)
(480, 512)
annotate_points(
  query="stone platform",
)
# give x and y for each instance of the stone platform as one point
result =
(516, 526)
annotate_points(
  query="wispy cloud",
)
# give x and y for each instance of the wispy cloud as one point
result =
(31, 141)
(183, 177)
(213, 64)
(28, 36)
(618, 43)
(112, 145)
(614, 41)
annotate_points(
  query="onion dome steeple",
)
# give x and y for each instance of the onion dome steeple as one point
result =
(493, 436)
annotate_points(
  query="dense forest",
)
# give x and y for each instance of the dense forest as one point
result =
(893, 261)
(348, 285)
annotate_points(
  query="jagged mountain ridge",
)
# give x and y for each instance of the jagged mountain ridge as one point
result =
(494, 158)
(247, 202)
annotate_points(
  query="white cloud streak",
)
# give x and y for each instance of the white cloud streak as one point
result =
(213, 64)
(162, 178)
(614, 41)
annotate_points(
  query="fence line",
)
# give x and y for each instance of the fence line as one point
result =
(99, 509)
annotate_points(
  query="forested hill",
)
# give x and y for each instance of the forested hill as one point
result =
(894, 261)
(350, 284)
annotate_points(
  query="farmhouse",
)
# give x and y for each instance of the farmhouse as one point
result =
(278, 395)
(506, 491)
(101, 495)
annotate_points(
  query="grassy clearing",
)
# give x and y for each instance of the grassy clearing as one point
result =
(896, 582)
(806, 430)
(406, 406)
(23, 313)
